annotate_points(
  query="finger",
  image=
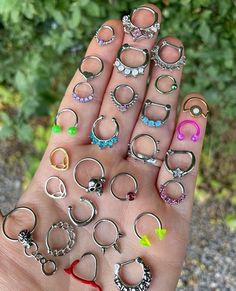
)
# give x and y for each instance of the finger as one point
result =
(127, 119)
(162, 133)
(182, 161)
(88, 111)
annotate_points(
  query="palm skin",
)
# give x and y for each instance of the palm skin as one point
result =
(165, 258)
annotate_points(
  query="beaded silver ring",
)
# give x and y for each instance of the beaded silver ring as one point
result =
(129, 71)
(101, 41)
(157, 122)
(85, 99)
(123, 106)
(139, 33)
(155, 56)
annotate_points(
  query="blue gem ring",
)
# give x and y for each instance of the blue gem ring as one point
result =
(129, 71)
(157, 122)
(104, 143)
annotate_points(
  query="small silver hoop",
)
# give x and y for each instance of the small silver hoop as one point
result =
(90, 75)
(101, 41)
(173, 86)
(104, 143)
(139, 33)
(69, 229)
(157, 122)
(155, 56)
(144, 283)
(152, 160)
(167, 198)
(123, 106)
(10, 213)
(178, 172)
(130, 196)
(85, 99)
(113, 244)
(94, 184)
(129, 71)
(78, 222)
(61, 193)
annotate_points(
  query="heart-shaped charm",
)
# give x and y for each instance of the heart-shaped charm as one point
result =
(161, 233)
(88, 75)
(144, 241)
(92, 282)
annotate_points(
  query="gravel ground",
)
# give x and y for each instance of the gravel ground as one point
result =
(211, 259)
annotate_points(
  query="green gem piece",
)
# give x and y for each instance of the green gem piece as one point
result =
(56, 129)
(88, 75)
(144, 241)
(161, 233)
(174, 87)
(72, 130)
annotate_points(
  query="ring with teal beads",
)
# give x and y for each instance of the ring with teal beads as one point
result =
(158, 122)
(173, 86)
(104, 143)
(72, 130)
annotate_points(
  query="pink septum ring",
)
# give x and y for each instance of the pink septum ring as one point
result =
(195, 137)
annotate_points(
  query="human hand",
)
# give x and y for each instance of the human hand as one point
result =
(165, 258)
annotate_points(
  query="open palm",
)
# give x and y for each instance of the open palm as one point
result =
(164, 257)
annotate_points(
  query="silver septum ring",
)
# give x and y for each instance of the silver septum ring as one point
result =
(139, 33)
(178, 172)
(102, 41)
(129, 71)
(157, 122)
(155, 56)
(149, 159)
(123, 106)
(77, 96)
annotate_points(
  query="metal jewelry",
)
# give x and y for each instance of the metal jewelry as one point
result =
(128, 71)
(30, 246)
(113, 244)
(85, 99)
(167, 198)
(139, 33)
(149, 159)
(69, 229)
(155, 56)
(130, 196)
(60, 193)
(156, 122)
(159, 231)
(72, 130)
(91, 282)
(195, 137)
(90, 75)
(95, 184)
(178, 172)
(78, 222)
(143, 285)
(103, 143)
(64, 165)
(196, 110)
(172, 88)
(123, 106)
(102, 41)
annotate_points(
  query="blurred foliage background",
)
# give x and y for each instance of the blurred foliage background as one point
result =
(42, 42)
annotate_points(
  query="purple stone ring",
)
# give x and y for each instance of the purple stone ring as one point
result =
(101, 41)
(121, 105)
(138, 33)
(78, 97)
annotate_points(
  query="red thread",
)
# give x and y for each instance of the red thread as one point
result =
(70, 271)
